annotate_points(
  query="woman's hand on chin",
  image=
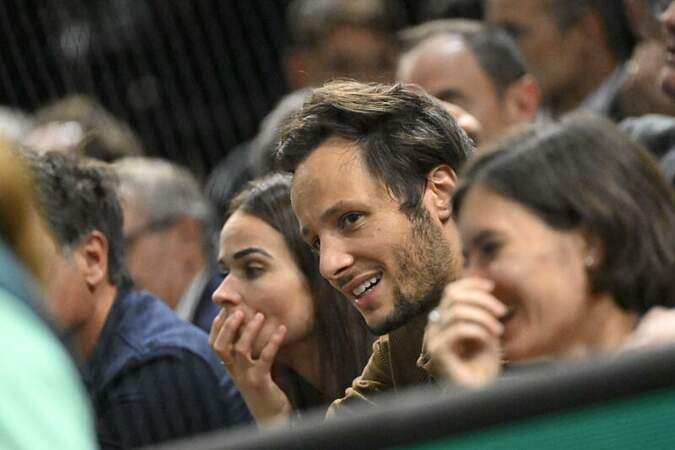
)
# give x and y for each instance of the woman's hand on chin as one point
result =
(233, 340)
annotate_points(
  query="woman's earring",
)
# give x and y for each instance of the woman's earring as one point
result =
(589, 261)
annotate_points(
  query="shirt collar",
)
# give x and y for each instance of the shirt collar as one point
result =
(185, 309)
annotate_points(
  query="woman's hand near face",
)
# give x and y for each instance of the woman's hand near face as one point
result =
(463, 334)
(266, 401)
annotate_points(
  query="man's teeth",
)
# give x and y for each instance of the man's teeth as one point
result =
(365, 286)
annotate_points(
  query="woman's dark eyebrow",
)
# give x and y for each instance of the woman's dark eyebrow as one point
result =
(250, 250)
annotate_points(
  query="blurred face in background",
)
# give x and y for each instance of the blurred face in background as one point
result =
(65, 282)
(668, 72)
(358, 53)
(155, 255)
(556, 58)
(447, 69)
(262, 276)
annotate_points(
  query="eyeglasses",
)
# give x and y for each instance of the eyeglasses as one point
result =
(149, 227)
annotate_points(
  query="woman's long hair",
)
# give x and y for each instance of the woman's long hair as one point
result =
(344, 339)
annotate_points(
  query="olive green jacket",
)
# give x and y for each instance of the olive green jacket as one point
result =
(398, 361)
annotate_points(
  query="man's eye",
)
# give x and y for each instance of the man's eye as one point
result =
(224, 272)
(350, 218)
(316, 245)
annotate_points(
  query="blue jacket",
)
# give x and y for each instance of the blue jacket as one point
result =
(153, 377)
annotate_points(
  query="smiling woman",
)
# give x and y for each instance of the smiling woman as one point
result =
(288, 339)
(561, 265)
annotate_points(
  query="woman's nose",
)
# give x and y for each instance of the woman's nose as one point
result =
(225, 295)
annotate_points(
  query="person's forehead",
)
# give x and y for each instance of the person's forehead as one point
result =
(333, 160)
(331, 174)
(439, 62)
(246, 229)
(132, 215)
(439, 48)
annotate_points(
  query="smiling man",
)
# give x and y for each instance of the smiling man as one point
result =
(375, 168)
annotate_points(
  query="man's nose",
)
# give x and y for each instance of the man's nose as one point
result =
(334, 259)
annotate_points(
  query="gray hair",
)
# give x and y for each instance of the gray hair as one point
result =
(163, 191)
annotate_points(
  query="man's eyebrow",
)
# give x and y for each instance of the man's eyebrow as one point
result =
(250, 250)
(333, 210)
(326, 215)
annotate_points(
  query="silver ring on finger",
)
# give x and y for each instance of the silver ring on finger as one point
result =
(434, 315)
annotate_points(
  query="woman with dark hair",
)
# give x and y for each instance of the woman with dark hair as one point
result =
(286, 336)
(569, 237)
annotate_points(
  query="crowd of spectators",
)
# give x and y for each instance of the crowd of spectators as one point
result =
(480, 194)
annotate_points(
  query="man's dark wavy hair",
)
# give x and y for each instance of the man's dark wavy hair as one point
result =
(401, 132)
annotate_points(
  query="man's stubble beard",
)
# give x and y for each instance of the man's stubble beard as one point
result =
(425, 264)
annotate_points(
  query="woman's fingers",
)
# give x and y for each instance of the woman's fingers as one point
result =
(244, 345)
(468, 300)
(270, 350)
(216, 325)
(223, 342)
(470, 313)
(468, 354)
(475, 291)
(463, 334)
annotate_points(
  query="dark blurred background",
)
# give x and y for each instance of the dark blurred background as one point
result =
(192, 77)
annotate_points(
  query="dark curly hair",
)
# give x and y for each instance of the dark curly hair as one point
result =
(77, 197)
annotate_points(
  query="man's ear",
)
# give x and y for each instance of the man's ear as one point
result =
(91, 257)
(441, 183)
(522, 99)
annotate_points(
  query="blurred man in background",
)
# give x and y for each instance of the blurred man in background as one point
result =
(576, 49)
(168, 232)
(479, 70)
(342, 39)
(79, 124)
(150, 376)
